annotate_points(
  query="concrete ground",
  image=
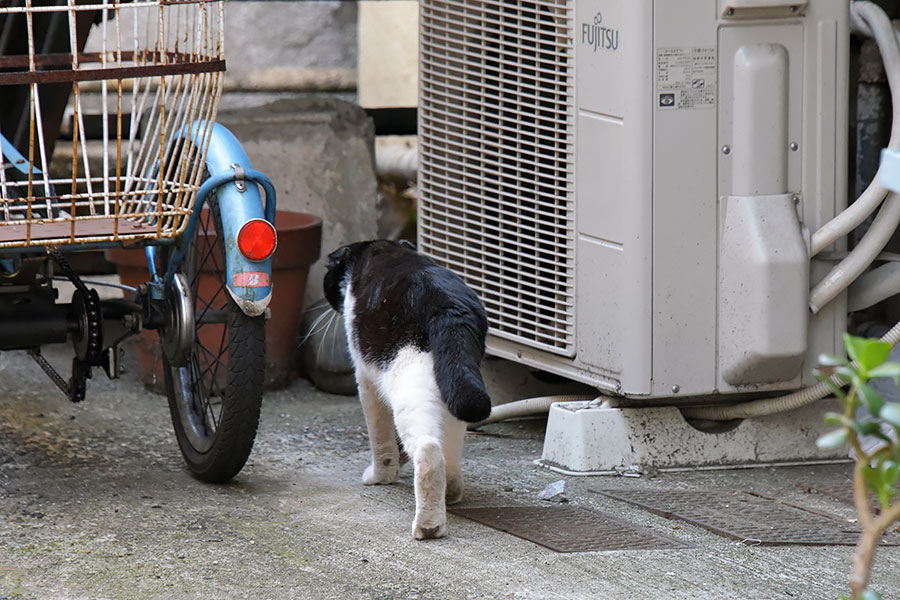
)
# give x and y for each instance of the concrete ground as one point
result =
(95, 503)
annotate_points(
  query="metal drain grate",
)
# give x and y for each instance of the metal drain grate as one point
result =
(746, 517)
(842, 492)
(569, 528)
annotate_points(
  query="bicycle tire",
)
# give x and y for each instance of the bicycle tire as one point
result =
(216, 447)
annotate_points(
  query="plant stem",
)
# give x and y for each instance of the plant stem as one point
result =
(862, 561)
(872, 530)
(887, 518)
(860, 497)
(868, 539)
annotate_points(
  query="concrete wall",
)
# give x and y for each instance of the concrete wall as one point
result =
(291, 45)
(388, 53)
(275, 46)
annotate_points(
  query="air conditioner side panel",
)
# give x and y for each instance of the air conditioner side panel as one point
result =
(602, 309)
(825, 180)
(613, 75)
(684, 198)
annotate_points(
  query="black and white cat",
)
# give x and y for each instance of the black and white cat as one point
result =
(416, 333)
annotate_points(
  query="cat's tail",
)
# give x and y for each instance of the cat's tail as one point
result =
(457, 345)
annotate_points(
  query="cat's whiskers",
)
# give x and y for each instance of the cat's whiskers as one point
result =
(314, 327)
(334, 314)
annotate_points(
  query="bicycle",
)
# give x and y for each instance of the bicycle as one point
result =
(168, 175)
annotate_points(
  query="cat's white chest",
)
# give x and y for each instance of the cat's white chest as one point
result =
(349, 313)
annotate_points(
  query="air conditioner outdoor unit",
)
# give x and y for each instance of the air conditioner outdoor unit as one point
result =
(630, 184)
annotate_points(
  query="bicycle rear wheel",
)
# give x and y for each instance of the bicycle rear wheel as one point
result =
(216, 395)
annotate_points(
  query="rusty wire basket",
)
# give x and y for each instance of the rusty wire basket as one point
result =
(135, 86)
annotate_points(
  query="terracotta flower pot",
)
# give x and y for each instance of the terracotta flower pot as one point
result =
(299, 240)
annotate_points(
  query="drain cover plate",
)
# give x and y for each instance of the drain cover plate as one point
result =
(569, 528)
(841, 491)
(746, 517)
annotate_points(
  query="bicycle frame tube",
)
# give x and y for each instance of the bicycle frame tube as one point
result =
(248, 282)
(15, 157)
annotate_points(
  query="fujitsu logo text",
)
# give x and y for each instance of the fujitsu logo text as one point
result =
(596, 35)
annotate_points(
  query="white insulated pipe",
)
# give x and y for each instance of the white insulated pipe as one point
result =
(527, 407)
(867, 19)
(861, 257)
(397, 161)
(875, 286)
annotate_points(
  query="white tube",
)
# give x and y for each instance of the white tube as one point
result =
(865, 252)
(868, 19)
(771, 406)
(849, 219)
(527, 407)
(397, 161)
(873, 287)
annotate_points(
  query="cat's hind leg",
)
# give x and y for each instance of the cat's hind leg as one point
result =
(385, 465)
(412, 392)
(454, 436)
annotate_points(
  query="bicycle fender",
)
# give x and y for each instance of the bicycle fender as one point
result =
(248, 282)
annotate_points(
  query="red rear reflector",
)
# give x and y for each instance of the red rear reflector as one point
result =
(256, 240)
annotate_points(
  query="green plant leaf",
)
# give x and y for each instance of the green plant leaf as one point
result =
(830, 360)
(834, 419)
(890, 413)
(875, 482)
(867, 428)
(869, 353)
(833, 439)
(888, 369)
(853, 345)
(871, 595)
(846, 374)
(873, 479)
(890, 473)
(870, 397)
(875, 353)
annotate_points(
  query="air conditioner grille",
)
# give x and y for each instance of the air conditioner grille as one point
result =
(497, 152)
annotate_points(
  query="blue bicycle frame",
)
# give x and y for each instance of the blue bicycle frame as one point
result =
(248, 282)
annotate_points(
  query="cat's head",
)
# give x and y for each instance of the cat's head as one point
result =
(341, 263)
(340, 266)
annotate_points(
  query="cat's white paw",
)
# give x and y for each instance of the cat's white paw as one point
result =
(455, 487)
(381, 474)
(429, 531)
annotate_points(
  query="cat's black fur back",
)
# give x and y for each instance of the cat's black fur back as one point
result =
(403, 298)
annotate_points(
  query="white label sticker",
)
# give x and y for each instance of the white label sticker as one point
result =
(686, 77)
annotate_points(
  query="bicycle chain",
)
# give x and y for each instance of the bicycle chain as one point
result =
(55, 377)
(76, 387)
(91, 305)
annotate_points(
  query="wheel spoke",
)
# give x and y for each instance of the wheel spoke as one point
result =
(209, 304)
(207, 251)
(215, 363)
(215, 357)
(222, 345)
(212, 316)
(207, 408)
(212, 245)
(200, 399)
